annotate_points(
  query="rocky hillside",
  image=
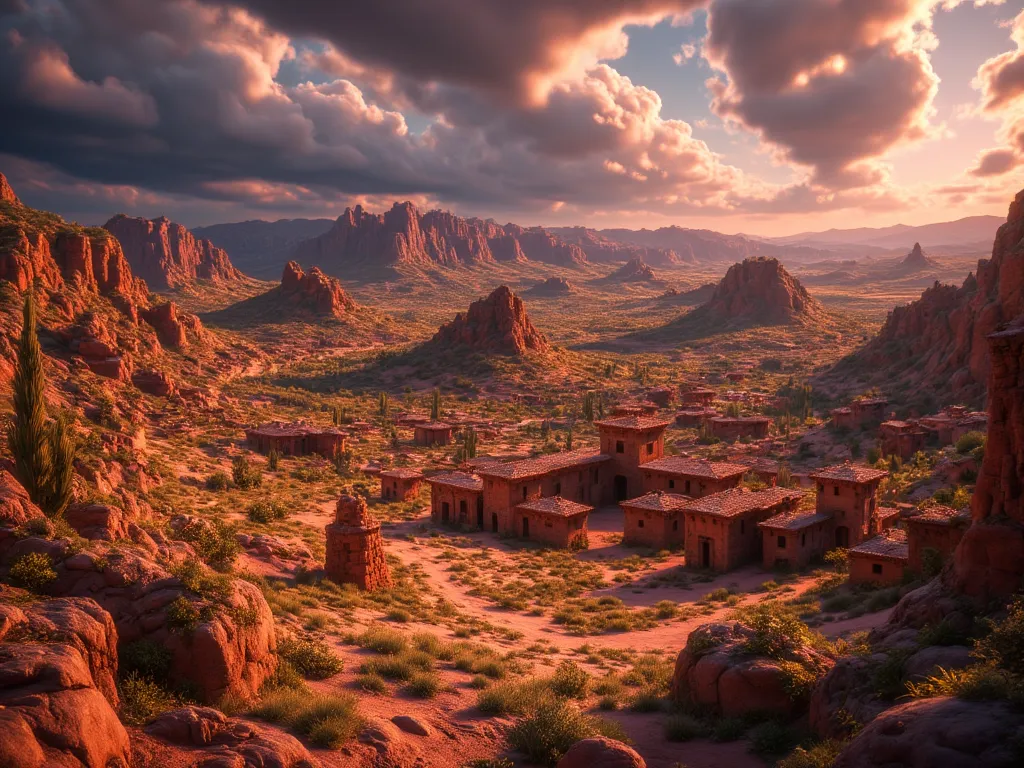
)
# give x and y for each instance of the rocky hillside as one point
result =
(6, 192)
(934, 348)
(633, 271)
(498, 323)
(600, 249)
(261, 248)
(702, 245)
(553, 286)
(166, 255)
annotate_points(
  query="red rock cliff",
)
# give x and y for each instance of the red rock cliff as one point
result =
(761, 290)
(167, 255)
(6, 192)
(314, 291)
(496, 324)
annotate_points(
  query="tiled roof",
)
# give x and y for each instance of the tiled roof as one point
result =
(541, 465)
(851, 473)
(736, 501)
(457, 480)
(844, 410)
(884, 513)
(896, 424)
(940, 515)
(634, 422)
(741, 420)
(555, 505)
(438, 425)
(870, 401)
(682, 465)
(402, 473)
(657, 501)
(890, 544)
(794, 521)
(294, 429)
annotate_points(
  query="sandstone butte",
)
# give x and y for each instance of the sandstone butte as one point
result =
(937, 343)
(761, 290)
(166, 255)
(405, 236)
(498, 323)
(633, 271)
(314, 291)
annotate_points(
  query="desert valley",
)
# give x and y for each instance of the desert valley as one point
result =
(527, 385)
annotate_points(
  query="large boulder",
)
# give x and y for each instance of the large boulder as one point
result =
(601, 752)
(716, 671)
(99, 521)
(939, 733)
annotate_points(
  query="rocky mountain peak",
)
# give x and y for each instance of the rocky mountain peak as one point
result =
(761, 290)
(7, 192)
(314, 291)
(498, 323)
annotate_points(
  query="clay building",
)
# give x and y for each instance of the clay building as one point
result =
(842, 418)
(697, 397)
(691, 477)
(457, 498)
(901, 438)
(355, 549)
(721, 530)
(581, 476)
(553, 521)
(694, 418)
(654, 520)
(296, 439)
(662, 396)
(868, 411)
(400, 484)
(432, 433)
(793, 539)
(630, 442)
(953, 422)
(732, 428)
(937, 527)
(848, 492)
(881, 559)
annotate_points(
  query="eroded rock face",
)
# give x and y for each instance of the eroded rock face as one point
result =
(7, 192)
(633, 271)
(175, 329)
(760, 290)
(600, 249)
(715, 671)
(166, 255)
(498, 323)
(314, 291)
(58, 663)
(553, 286)
(601, 752)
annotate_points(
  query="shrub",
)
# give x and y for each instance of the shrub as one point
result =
(197, 578)
(182, 614)
(647, 700)
(547, 733)
(329, 720)
(969, 441)
(245, 474)
(684, 728)
(515, 697)
(218, 481)
(570, 680)
(382, 639)
(390, 667)
(33, 571)
(728, 729)
(145, 658)
(1003, 647)
(267, 512)
(214, 542)
(371, 682)
(776, 631)
(285, 676)
(142, 699)
(424, 685)
(273, 460)
(821, 755)
(313, 659)
(771, 738)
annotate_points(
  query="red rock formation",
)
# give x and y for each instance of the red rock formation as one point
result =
(760, 290)
(7, 192)
(154, 382)
(633, 271)
(553, 286)
(496, 324)
(601, 752)
(355, 549)
(601, 249)
(174, 329)
(166, 255)
(915, 261)
(936, 345)
(314, 291)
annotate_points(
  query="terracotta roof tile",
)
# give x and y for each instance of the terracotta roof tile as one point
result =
(684, 466)
(402, 473)
(542, 465)
(940, 515)
(794, 521)
(736, 501)
(555, 505)
(635, 422)
(294, 429)
(890, 544)
(457, 480)
(850, 473)
(658, 501)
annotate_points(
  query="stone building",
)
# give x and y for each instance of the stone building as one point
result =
(458, 498)
(694, 418)
(953, 422)
(881, 559)
(631, 442)
(793, 539)
(691, 477)
(654, 520)
(732, 428)
(901, 438)
(697, 397)
(842, 418)
(848, 492)
(937, 527)
(721, 530)
(868, 411)
(400, 484)
(296, 439)
(355, 549)
(552, 520)
(432, 433)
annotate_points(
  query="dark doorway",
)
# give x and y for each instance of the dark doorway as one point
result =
(494, 521)
(526, 527)
(621, 488)
(463, 512)
(705, 553)
(445, 513)
(842, 536)
(480, 514)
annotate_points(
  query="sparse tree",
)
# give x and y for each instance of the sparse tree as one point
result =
(383, 404)
(28, 437)
(435, 405)
(62, 456)
(569, 436)
(274, 459)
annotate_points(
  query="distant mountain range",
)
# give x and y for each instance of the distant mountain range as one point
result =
(970, 231)
(262, 248)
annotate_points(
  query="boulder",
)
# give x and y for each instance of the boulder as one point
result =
(174, 329)
(412, 725)
(601, 752)
(98, 521)
(154, 382)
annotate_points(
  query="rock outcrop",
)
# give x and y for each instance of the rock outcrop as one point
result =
(174, 329)
(262, 248)
(915, 261)
(553, 286)
(633, 271)
(314, 292)
(762, 291)
(600, 249)
(601, 752)
(7, 194)
(935, 347)
(166, 255)
(498, 324)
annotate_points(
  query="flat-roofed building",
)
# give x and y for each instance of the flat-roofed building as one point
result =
(400, 484)
(849, 492)
(881, 559)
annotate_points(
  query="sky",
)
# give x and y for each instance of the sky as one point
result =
(765, 117)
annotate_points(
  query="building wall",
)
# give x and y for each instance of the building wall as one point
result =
(553, 530)
(867, 415)
(673, 483)
(638, 447)
(920, 536)
(902, 444)
(801, 546)
(852, 506)
(397, 489)
(585, 484)
(297, 445)
(736, 540)
(455, 498)
(658, 530)
(863, 570)
(431, 436)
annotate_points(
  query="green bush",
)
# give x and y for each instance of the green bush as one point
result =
(245, 474)
(145, 658)
(776, 631)
(182, 614)
(285, 676)
(570, 680)
(424, 685)
(214, 542)
(547, 733)
(514, 697)
(728, 729)
(313, 659)
(197, 578)
(267, 512)
(771, 738)
(329, 720)
(682, 727)
(142, 699)
(33, 571)
(218, 481)
(382, 639)
(969, 441)
(371, 682)
(821, 755)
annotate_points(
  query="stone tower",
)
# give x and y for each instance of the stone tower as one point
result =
(355, 549)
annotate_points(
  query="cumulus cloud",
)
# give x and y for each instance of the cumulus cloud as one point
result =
(1001, 83)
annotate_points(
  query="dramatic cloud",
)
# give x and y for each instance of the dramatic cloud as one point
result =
(1001, 82)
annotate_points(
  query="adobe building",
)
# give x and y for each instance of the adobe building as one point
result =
(731, 428)
(654, 520)
(698, 397)
(457, 498)
(694, 418)
(581, 476)
(721, 530)
(937, 527)
(793, 539)
(355, 549)
(842, 418)
(662, 396)
(296, 439)
(432, 433)
(901, 438)
(630, 442)
(691, 477)
(848, 492)
(553, 521)
(868, 411)
(400, 484)
(881, 559)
